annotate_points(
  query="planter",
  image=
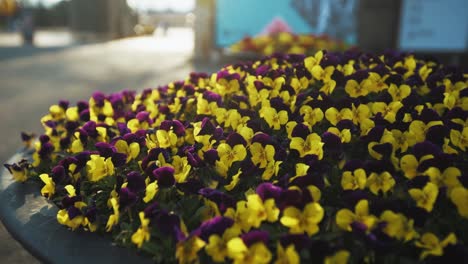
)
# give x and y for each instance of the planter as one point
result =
(31, 219)
(331, 157)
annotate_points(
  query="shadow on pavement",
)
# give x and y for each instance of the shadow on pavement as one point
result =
(7, 53)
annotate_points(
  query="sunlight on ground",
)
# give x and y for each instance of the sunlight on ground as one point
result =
(176, 40)
(43, 38)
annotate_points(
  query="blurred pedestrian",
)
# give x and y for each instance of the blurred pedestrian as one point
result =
(27, 27)
(8, 9)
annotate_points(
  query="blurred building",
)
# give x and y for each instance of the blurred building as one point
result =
(101, 19)
(437, 27)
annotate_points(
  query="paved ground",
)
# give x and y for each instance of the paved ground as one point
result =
(33, 78)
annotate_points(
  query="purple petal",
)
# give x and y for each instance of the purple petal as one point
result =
(300, 130)
(235, 139)
(299, 241)
(64, 104)
(268, 190)
(127, 197)
(353, 165)
(262, 138)
(425, 148)
(166, 125)
(255, 236)
(152, 210)
(223, 200)
(211, 156)
(164, 176)
(119, 159)
(190, 186)
(84, 115)
(91, 214)
(90, 128)
(178, 127)
(106, 150)
(123, 129)
(99, 98)
(216, 225)
(437, 134)
(207, 128)
(73, 212)
(58, 173)
(136, 182)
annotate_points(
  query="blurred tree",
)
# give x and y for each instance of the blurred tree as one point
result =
(53, 16)
(8, 7)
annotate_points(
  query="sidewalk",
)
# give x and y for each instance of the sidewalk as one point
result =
(30, 83)
(43, 38)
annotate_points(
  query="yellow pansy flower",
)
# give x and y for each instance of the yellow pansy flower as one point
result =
(399, 93)
(64, 219)
(344, 135)
(345, 217)
(18, 171)
(322, 74)
(142, 234)
(240, 253)
(113, 218)
(459, 197)
(426, 197)
(312, 145)
(228, 154)
(187, 250)
(262, 155)
(181, 168)
(334, 116)
(431, 244)
(389, 111)
(271, 169)
(354, 180)
(380, 182)
(273, 118)
(49, 188)
(166, 139)
(312, 61)
(131, 150)
(448, 178)
(375, 83)
(151, 190)
(399, 140)
(419, 129)
(328, 87)
(311, 115)
(360, 113)
(305, 221)
(99, 167)
(217, 245)
(409, 165)
(258, 210)
(287, 255)
(354, 89)
(340, 257)
(459, 139)
(398, 226)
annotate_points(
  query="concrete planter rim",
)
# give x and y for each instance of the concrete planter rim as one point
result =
(31, 220)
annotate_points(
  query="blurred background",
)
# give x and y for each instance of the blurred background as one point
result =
(66, 49)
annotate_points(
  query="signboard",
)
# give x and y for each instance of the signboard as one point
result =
(240, 18)
(434, 25)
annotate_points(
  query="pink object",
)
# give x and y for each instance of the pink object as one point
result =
(277, 25)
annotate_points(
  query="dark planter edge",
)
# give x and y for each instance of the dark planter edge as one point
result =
(31, 220)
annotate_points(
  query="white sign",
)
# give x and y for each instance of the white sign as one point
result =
(434, 25)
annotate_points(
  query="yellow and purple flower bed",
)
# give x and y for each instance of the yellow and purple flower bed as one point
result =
(287, 42)
(331, 158)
